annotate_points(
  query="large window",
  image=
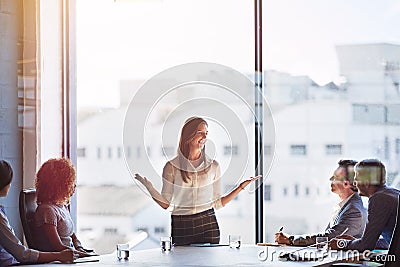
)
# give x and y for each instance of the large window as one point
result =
(34, 87)
(115, 57)
(332, 79)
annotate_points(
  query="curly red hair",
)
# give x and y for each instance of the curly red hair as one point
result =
(55, 181)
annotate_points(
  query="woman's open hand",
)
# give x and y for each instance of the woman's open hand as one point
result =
(227, 198)
(248, 181)
(143, 180)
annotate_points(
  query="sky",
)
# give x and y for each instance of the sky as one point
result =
(136, 39)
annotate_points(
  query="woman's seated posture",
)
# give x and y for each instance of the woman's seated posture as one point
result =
(55, 184)
(11, 249)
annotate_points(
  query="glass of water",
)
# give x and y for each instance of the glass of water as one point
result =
(122, 251)
(166, 243)
(234, 241)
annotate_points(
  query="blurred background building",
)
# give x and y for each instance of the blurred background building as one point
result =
(315, 127)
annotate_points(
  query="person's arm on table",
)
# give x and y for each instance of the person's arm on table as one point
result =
(78, 245)
(349, 220)
(51, 235)
(66, 255)
(377, 218)
(23, 254)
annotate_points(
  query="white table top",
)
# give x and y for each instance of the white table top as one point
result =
(247, 255)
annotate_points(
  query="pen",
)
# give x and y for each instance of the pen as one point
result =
(345, 230)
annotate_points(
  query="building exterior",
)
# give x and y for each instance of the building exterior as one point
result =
(315, 126)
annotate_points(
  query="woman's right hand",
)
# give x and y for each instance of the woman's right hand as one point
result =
(82, 254)
(143, 181)
(66, 255)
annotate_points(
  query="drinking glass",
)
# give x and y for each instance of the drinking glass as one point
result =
(234, 241)
(122, 251)
(166, 243)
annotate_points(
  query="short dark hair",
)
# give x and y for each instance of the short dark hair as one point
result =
(346, 163)
(6, 174)
(370, 164)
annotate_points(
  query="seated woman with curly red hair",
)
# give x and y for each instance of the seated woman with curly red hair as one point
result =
(12, 251)
(55, 184)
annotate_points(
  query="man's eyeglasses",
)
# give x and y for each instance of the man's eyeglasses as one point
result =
(335, 178)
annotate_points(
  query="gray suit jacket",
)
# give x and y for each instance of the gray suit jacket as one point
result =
(352, 215)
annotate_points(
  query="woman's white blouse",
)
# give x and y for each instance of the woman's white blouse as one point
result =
(201, 192)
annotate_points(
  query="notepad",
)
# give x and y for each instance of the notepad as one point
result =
(270, 244)
(208, 245)
(86, 259)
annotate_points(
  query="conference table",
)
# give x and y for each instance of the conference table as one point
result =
(222, 255)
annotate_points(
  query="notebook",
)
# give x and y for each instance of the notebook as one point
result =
(208, 245)
(86, 259)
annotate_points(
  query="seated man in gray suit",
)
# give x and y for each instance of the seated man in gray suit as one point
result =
(370, 180)
(350, 212)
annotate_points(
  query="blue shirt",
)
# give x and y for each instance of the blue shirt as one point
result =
(11, 249)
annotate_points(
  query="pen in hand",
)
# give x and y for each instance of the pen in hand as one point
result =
(345, 230)
(279, 237)
(280, 233)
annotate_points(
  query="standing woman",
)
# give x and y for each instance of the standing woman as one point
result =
(11, 249)
(192, 188)
(55, 184)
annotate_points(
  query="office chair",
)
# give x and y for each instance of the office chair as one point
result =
(27, 208)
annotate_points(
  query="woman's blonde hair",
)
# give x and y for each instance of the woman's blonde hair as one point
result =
(188, 131)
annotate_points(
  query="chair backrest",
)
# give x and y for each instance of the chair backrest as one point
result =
(394, 248)
(27, 208)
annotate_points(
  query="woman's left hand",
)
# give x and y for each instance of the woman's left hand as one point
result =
(84, 250)
(248, 181)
